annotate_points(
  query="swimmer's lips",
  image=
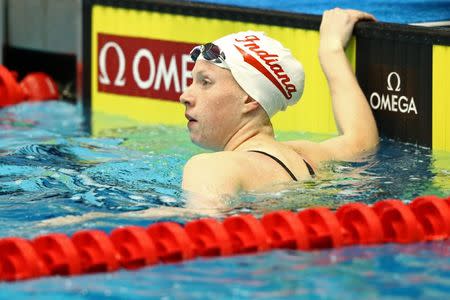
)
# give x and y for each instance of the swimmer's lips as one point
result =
(190, 119)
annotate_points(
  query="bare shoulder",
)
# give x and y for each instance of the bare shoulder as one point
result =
(219, 160)
(212, 174)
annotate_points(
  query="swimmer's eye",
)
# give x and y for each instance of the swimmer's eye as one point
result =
(205, 82)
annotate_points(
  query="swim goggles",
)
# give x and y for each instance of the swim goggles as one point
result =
(210, 52)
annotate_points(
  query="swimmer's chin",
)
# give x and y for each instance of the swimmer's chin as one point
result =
(199, 144)
(205, 145)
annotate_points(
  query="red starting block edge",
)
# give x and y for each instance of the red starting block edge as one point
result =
(426, 218)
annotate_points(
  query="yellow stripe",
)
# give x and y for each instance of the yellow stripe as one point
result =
(441, 120)
(440, 168)
(113, 111)
(313, 112)
(441, 94)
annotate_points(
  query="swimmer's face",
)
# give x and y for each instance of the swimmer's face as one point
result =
(214, 105)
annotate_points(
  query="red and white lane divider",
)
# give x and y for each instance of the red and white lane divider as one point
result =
(426, 218)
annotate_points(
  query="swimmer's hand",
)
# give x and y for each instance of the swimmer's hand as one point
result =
(337, 27)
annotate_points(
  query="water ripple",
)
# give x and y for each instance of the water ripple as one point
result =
(48, 171)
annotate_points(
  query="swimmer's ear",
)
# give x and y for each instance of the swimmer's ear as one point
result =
(250, 104)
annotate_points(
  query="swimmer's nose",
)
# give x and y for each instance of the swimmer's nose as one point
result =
(186, 98)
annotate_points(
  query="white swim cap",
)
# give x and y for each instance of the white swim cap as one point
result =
(266, 71)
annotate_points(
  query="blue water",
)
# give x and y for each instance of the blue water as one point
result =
(50, 167)
(394, 11)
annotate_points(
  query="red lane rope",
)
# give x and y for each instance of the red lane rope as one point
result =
(37, 86)
(426, 218)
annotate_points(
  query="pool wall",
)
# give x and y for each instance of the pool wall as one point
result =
(136, 65)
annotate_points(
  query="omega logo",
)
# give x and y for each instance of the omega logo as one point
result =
(392, 101)
(160, 70)
(389, 81)
(120, 77)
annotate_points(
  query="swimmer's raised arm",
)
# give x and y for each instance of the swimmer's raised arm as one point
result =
(354, 118)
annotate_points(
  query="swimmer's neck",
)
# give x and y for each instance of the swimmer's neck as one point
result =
(248, 137)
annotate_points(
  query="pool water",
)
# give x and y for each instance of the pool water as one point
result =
(50, 167)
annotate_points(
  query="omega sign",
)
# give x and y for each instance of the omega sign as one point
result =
(392, 100)
(143, 67)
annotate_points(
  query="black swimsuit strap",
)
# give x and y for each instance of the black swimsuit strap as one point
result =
(278, 161)
(310, 169)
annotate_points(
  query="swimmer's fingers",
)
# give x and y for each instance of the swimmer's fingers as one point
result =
(352, 16)
(358, 15)
(337, 26)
